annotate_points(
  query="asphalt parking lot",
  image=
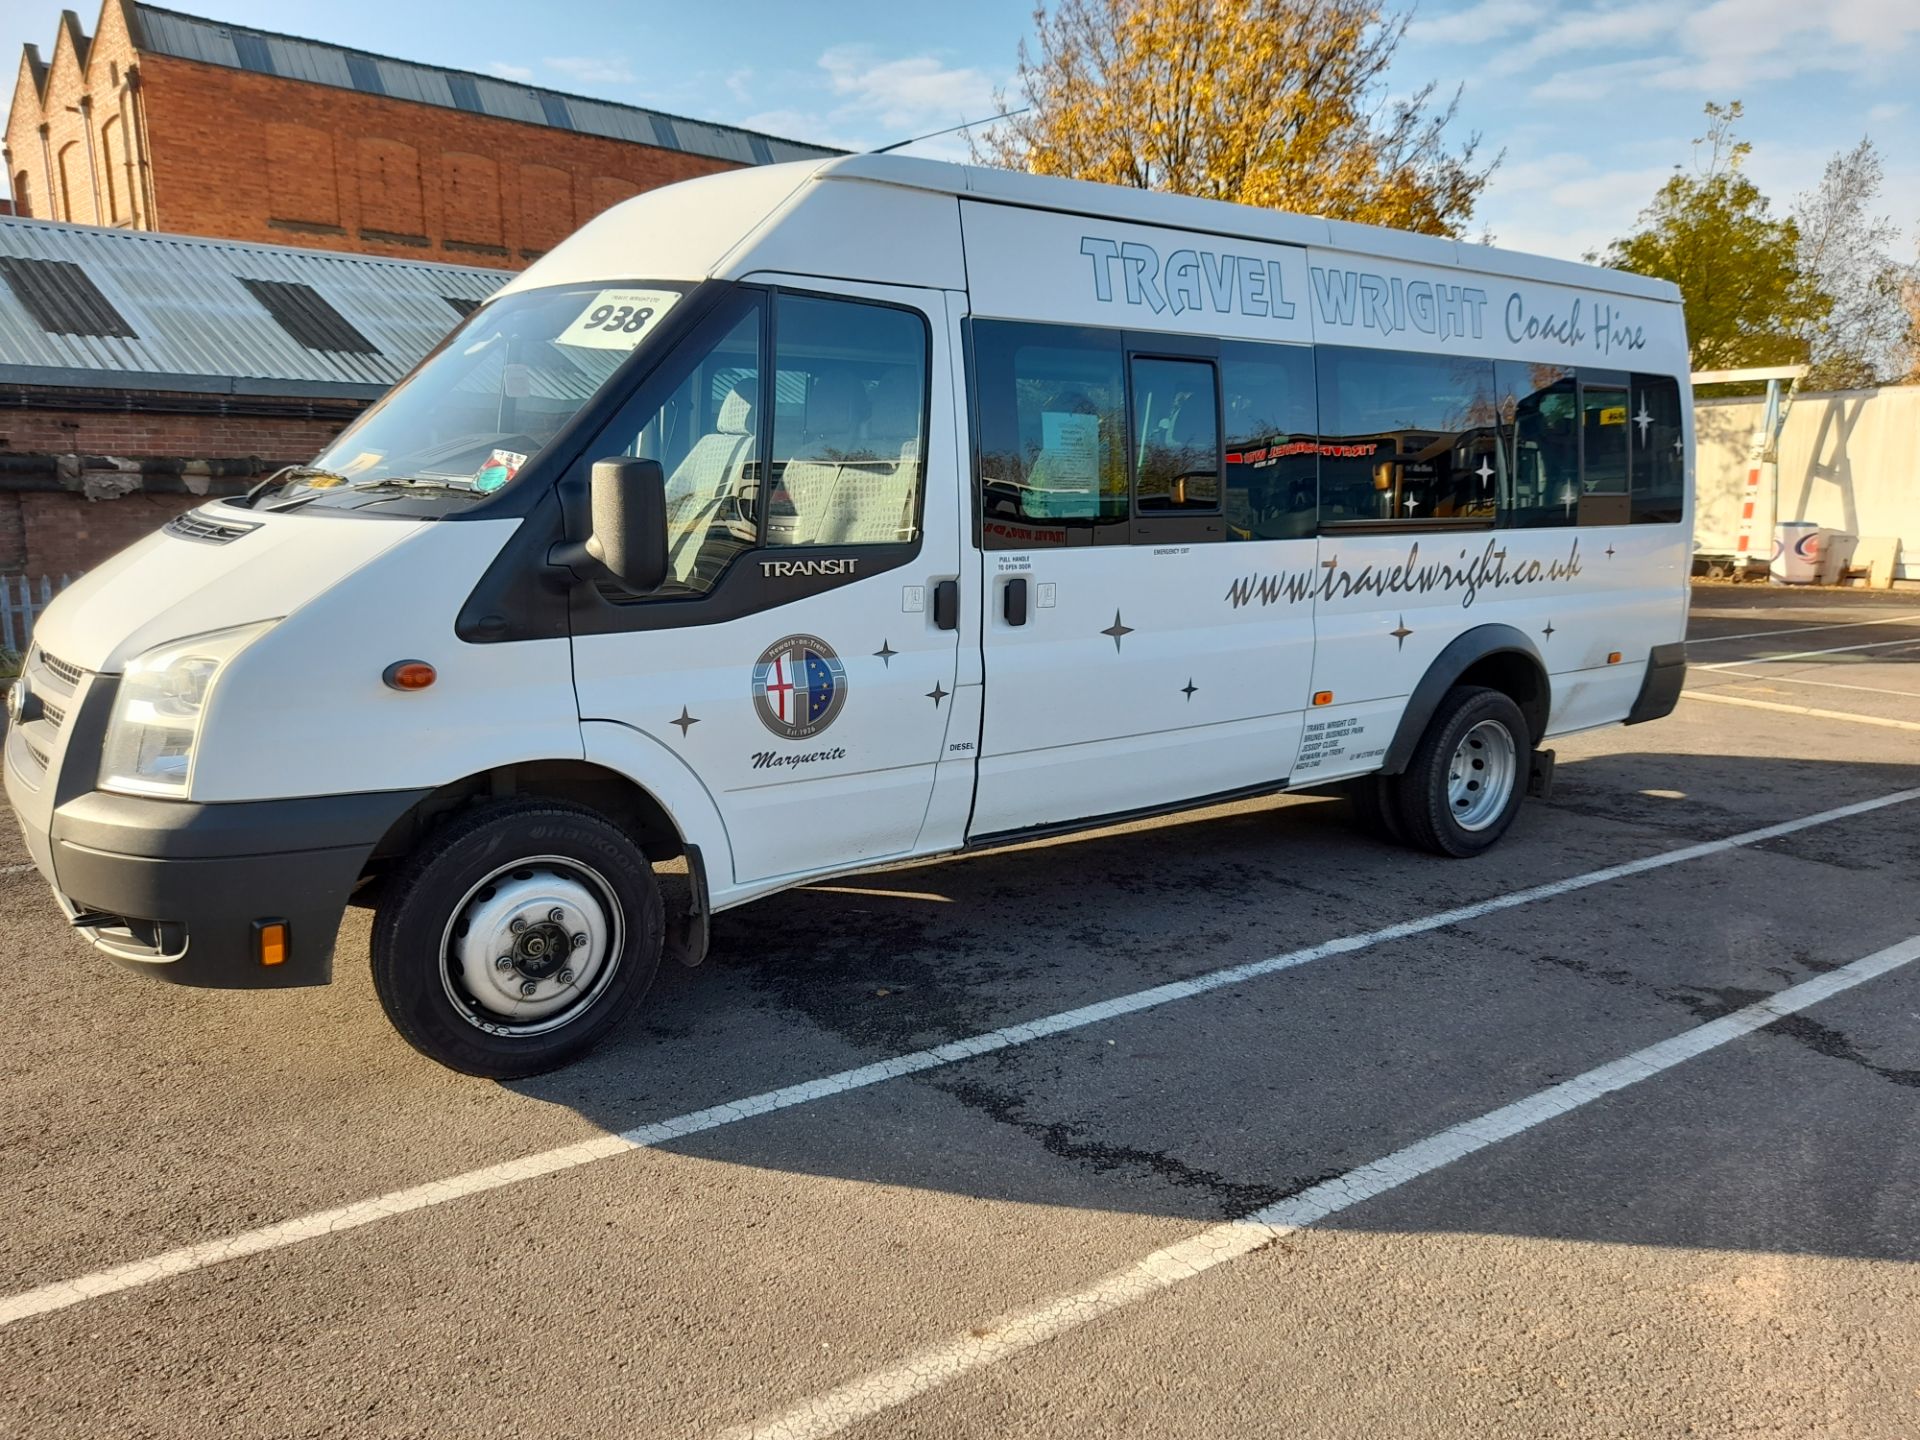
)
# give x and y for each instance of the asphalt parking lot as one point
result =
(1231, 1124)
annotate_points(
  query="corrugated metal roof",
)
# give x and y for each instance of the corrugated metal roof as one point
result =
(240, 47)
(198, 326)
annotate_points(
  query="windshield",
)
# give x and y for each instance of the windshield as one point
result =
(469, 419)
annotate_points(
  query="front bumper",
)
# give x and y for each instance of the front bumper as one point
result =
(173, 889)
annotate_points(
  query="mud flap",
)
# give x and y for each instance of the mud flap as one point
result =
(1540, 775)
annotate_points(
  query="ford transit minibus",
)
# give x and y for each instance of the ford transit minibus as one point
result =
(811, 517)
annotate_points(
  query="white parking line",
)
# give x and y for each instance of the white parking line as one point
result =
(1801, 629)
(1786, 656)
(1823, 684)
(1785, 709)
(61, 1294)
(883, 1389)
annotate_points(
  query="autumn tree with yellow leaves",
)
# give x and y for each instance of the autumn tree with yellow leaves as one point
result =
(1280, 103)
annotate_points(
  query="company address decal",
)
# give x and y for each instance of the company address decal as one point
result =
(1488, 570)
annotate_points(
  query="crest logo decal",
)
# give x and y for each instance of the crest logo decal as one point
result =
(799, 686)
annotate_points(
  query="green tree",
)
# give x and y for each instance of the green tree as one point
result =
(1281, 103)
(1711, 232)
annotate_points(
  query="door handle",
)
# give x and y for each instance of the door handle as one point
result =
(1013, 601)
(946, 605)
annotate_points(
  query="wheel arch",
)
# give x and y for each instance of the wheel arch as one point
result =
(600, 788)
(1497, 656)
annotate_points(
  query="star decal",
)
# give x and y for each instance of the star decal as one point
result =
(1117, 630)
(1400, 634)
(686, 722)
(1568, 496)
(1643, 420)
(937, 694)
(1485, 472)
(1609, 552)
(1189, 689)
(885, 654)
(1413, 503)
(1548, 632)
(1678, 444)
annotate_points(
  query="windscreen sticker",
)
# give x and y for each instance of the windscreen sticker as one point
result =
(616, 319)
(365, 460)
(501, 466)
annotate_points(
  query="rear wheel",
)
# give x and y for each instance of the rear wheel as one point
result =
(516, 937)
(1466, 780)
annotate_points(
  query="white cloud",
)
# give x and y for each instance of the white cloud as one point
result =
(522, 73)
(1891, 110)
(912, 91)
(861, 100)
(592, 69)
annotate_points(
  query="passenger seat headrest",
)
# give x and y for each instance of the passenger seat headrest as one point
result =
(736, 412)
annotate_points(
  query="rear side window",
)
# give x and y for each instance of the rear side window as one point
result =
(1272, 443)
(1406, 438)
(1539, 451)
(1052, 434)
(1659, 451)
(1176, 420)
(1603, 449)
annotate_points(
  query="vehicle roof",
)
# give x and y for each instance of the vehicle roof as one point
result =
(1220, 217)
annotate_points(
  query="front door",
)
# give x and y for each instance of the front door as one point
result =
(1147, 508)
(794, 662)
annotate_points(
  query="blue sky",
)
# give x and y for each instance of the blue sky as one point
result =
(1592, 101)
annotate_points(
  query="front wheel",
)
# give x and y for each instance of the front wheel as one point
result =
(516, 937)
(1466, 780)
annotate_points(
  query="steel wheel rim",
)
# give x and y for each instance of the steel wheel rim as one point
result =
(1481, 775)
(545, 971)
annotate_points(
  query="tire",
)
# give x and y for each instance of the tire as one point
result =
(1468, 774)
(532, 883)
(1376, 805)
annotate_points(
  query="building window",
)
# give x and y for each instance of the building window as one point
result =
(1052, 435)
(62, 298)
(847, 459)
(1272, 446)
(1406, 439)
(305, 315)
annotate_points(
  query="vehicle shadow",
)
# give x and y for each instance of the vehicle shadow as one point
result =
(1210, 1107)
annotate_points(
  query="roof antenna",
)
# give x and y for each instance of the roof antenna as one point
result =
(936, 134)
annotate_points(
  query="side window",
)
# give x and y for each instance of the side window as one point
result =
(1273, 448)
(1406, 438)
(1603, 449)
(850, 423)
(1052, 433)
(1659, 451)
(698, 416)
(1539, 452)
(1176, 419)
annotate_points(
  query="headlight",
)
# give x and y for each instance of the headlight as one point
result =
(157, 712)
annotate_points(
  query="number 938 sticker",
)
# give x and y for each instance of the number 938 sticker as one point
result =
(616, 319)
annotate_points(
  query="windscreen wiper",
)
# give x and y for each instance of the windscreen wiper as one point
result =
(286, 475)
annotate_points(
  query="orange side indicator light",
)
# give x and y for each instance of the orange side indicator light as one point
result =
(270, 941)
(1613, 657)
(1323, 697)
(408, 675)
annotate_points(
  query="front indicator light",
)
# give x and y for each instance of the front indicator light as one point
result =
(270, 941)
(408, 675)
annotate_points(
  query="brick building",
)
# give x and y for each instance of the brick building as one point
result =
(165, 121)
(140, 373)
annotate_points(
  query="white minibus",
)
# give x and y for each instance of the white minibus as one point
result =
(811, 517)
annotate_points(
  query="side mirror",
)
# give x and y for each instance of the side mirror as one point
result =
(629, 502)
